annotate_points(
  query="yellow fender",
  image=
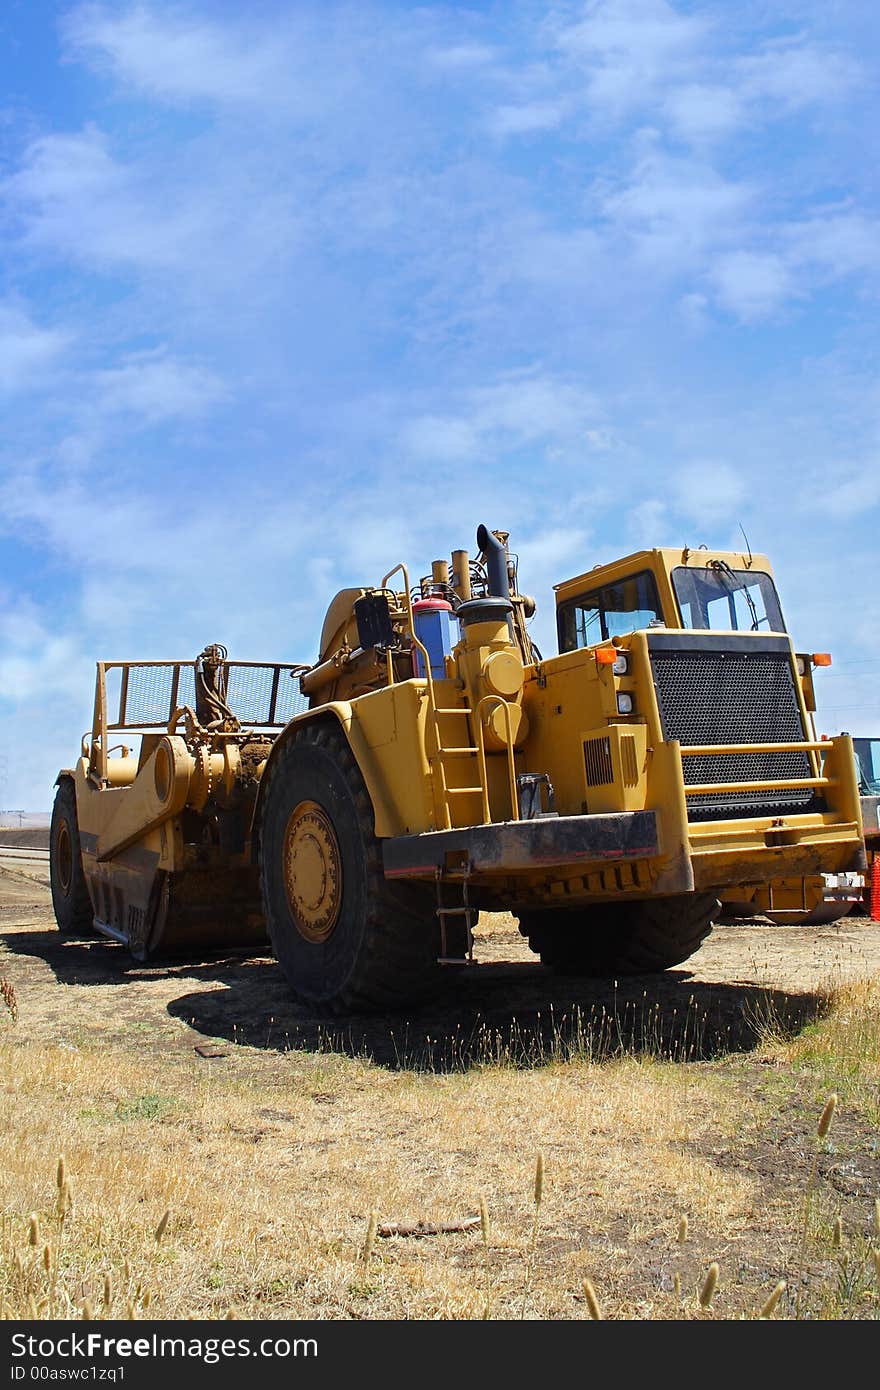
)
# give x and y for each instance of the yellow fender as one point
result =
(385, 816)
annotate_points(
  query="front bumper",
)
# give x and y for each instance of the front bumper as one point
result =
(524, 846)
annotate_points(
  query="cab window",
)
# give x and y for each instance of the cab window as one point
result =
(726, 600)
(612, 611)
(868, 760)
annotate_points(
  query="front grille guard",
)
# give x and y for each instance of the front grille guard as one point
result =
(733, 704)
(815, 783)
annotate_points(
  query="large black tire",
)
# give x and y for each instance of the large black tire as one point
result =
(610, 939)
(346, 938)
(70, 896)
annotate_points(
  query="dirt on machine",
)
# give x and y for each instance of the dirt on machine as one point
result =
(359, 811)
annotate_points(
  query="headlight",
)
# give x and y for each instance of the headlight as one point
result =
(624, 704)
(801, 666)
(621, 665)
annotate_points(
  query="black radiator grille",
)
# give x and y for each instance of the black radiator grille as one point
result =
(727, 694)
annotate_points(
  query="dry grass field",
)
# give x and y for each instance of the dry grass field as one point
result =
(225, 1151)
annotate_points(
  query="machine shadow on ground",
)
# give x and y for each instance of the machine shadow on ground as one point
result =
(512, 1011)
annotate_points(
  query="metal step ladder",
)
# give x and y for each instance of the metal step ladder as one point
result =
(441, 752)
(465, 912)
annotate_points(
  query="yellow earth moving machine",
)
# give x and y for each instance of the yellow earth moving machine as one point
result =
(868, 772)
(431, 764)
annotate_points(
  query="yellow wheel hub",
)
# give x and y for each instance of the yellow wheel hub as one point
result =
(312, 871)
(64, 857)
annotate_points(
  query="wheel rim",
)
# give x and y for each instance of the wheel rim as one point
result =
(312, 871)
(64, 857)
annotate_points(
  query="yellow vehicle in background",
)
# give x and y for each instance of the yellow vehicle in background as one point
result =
(430, 763)
(867, 752)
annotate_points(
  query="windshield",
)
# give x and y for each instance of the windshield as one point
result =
(727, 600)
(612, 611)
(868, 758)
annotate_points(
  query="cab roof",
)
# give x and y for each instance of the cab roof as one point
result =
(662, 559)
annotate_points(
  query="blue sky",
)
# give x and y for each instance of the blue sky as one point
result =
(292, 292)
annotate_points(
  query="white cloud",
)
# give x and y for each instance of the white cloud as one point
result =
(183, 57)
(707, 491)
(462, 56)
(837, 243)
(527, 118)
(703, 112)
(677, 209)
(793, 74)
(849, 493)
(27, 353)
(525, 409)
(627, 48)
(752, 284)
(72, 197)
(698, 79)
(648, 523)
(156, 387)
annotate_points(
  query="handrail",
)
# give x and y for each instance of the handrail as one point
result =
(712, 750)
(779, 784)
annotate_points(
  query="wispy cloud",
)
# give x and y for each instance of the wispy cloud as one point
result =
(156, 387)
(186, 57)
(27, 352)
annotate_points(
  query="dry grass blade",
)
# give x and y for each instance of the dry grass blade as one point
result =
(163, 1225)
(770, 1306)
(370, 1237)
(592, 1301)
(709, 1285)
(821, 1132)
(484, 1231)
(7, 994)
(538, 1195)
(682, 1230)
(827, 1116)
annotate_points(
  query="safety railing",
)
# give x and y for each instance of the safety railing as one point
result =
(765, 784)
(146, 696)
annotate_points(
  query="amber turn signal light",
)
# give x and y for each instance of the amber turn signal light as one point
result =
(821, 658)
(606, 656)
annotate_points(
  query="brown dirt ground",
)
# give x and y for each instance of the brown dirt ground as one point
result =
(236, 1012)
(745, 973)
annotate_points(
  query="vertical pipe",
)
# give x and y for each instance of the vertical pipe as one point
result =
(461, 574)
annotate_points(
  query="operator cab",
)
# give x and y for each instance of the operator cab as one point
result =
(709, 590)
(867, 752)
